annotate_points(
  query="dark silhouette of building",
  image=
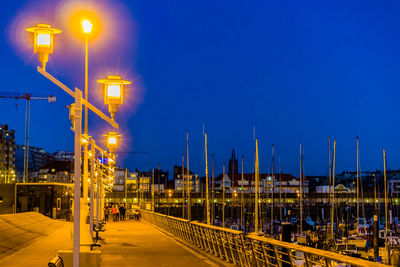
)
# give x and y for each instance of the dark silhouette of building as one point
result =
(233, 166)
(7, 154)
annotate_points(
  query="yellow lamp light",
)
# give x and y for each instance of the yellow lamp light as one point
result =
(87, 26)
(113, 92)
(112, 139)
(43, 41)
(85, 139)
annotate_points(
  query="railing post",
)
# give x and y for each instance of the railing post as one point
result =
(237, 249)
(218, 244)
(278, 260)
(207, 239)
(230, 246)
(266, 258)
(254, 253)
(221, 235)
(308, 264)
(210, 231)
(244, 247)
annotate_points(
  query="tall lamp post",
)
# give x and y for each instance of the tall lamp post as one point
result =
(43, 46)
(87, 29)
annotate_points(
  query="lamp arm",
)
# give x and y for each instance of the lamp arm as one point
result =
(72, 93)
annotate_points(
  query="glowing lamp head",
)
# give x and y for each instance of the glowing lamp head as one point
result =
(43, 41)
(112, 139)
(85, 139)
(113, 92)
(87, 26)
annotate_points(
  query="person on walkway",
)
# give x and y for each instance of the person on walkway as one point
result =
(137, 215)
(106, 212)
(114, 213)
(122, 212)
(118, 214)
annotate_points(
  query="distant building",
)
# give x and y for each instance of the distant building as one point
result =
(57, 171)
(7, 154)
(194, 180)
(233, 166)
(37, 159)
(119, 181)
(284, 182)
(64, 155)
(146, 180)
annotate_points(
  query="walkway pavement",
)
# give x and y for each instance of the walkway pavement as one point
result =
(42, 249)
(132, 243)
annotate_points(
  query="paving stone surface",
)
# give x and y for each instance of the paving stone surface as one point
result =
(32, 240)
(133, 243)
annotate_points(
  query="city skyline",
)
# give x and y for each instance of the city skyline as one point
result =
(296, 80)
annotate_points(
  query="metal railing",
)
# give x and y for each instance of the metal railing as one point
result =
(250, 250)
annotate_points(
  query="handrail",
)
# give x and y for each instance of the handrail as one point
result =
(249, 250)
(324, 253)
(217, 228)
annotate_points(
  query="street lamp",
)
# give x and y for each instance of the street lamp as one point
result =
(112, 139)
(113, 92)
(43, 41)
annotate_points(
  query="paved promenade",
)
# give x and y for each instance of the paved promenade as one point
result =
(134, 243)
(42, 249)
(32, 239)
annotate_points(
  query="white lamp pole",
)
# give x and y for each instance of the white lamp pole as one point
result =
(77, 175)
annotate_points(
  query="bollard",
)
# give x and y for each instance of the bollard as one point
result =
(376, 232)
(286, 233)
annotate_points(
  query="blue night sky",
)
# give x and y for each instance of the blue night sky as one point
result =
(299, 71)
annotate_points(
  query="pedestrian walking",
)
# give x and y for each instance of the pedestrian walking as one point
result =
(122, 212)
(114, 213)
(117, 214)
(106, 212)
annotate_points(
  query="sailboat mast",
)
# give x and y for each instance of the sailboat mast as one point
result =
(241, 197)
(207, 193)
(330, 168)
(273, 189)
(333, 188)
(188, 177)
(280, 187)
(223, 195)
(301, 196)
(384, 177)
(183, 186)
(357, 190)
(256, 191)
(213, 190)
(152, 190)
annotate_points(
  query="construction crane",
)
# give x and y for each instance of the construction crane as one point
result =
(28, 97)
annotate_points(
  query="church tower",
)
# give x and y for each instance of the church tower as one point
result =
(233, 166)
